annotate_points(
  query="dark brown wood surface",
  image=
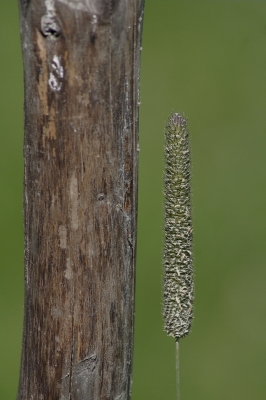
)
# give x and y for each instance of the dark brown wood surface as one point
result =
(81, 69)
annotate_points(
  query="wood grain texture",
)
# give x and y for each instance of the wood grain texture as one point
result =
(81, 71)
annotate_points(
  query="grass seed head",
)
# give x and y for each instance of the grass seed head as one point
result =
(178, 293)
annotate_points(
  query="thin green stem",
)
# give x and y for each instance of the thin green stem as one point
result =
(177, 371)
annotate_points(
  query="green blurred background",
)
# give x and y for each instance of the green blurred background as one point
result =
(207, 59)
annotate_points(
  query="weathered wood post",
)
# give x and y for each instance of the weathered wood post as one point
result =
(81, 68)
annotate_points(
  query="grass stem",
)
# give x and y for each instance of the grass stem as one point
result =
(177, 355)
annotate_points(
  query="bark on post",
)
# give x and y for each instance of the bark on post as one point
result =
(81, 67)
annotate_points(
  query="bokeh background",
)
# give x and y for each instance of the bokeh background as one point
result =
(207, 59)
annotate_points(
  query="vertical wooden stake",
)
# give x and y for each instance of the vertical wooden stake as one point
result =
(81, 67)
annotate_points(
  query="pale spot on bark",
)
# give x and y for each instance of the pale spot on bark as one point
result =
(68, 271)
(55, 77)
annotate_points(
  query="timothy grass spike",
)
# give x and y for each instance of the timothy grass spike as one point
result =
(178, 293)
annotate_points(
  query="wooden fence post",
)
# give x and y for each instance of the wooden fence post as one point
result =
(81, 72)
